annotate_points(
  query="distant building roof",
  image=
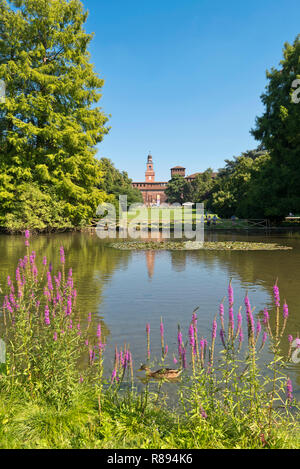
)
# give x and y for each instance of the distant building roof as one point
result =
(178, 167)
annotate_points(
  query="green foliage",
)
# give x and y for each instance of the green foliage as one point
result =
(178, 190)
(202, 188)
(118, 183)
(230, 194)
(278, 130)
(49, 124)
(41, 211)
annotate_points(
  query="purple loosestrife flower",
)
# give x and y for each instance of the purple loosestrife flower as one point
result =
(297, 342)
(18, 276)
(34, 272)
(251, 321)
(248, 307)
(241, 336)
(290, 339)
(266, 317)
(13, 300)
(166, 350)
(32, 257)
(285, 311)
(265, 335)
(161, 330)
(214, 329)
(44, 261)
(90, 318)
(222, 335)
(47, 316)
(55, 336)
(175, 360)
(258, 328)
(113, 376)
(231, 317)
(49, 280)
(184, 358)
(289, 390)
(179, 339)
(99, 331)
(62, 254)
(191, 335)
(221, 310)
(239, 320)
(69, 306)
(57, 282)
(92, 356)
(276, 295)
(27, 234)
(230, 294)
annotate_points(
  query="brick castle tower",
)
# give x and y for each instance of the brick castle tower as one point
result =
(150, 173)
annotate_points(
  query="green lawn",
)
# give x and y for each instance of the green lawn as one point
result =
(164, 215)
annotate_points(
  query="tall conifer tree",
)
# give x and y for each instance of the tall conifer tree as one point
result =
(50, 122)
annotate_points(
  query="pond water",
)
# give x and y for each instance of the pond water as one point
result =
(126, 289)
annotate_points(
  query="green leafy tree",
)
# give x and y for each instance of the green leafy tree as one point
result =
(49, 123)
(230, 194)
(118, 183)
(279, 131)
(202, 187)
(178, 190)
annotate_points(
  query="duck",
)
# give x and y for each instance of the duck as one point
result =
(163, 373)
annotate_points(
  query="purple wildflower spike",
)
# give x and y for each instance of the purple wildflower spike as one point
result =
(289, 390)
(276, 295)
(266, 317)
(214, 329)
(230, 294)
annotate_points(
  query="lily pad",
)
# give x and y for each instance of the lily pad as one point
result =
(194, 245)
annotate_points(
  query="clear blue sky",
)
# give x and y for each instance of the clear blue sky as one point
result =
(184, 78)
